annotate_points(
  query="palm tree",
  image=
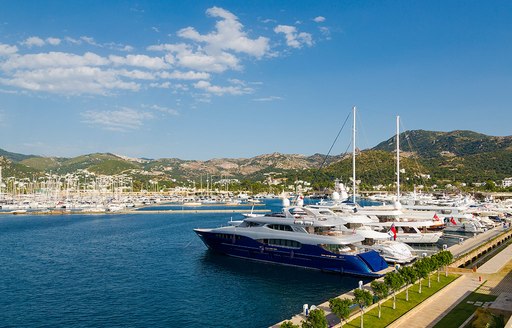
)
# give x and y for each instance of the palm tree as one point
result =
(394, 281)
(380, 290)
(363, 298)
(409, 275)
(340, 307)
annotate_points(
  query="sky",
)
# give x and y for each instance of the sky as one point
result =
(235, 79)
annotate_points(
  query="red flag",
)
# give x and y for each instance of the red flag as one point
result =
(393, 230)
(436, 218)
(452, 220)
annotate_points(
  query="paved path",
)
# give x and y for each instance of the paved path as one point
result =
(432, 310)
(498, 261)
(497, 274)
(475, 241)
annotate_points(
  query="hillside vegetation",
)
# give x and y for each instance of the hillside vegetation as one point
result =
(427, 157)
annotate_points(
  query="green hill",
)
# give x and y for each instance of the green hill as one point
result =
(436, 144)
(15, 157)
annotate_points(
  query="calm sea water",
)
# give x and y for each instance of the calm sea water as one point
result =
(142, 270)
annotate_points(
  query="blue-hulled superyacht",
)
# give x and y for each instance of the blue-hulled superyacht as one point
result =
(292, 239)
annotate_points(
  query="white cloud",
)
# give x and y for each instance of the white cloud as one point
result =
(71, 80)
(123, 119)
(33, 41)
(270, 98)
(162, 109)
(89, 40)
(153, 63)
(294, 39)
(325, 32)
(229, 35)
(194, 61)
(319, 19)
(219, 90)
(53, 41)
(164, 85)
(190, 75)
(72, 40)
(7, 50)
(52, 59)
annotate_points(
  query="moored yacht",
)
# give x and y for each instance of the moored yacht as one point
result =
(292, 238)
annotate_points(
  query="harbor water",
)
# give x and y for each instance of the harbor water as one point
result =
(140, 270)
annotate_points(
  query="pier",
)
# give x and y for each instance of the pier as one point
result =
(185, 210)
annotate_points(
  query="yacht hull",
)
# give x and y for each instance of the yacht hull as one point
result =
(367, 264)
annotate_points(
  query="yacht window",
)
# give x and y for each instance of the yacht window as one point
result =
(299, 229)
(336, 248)
(281, 243)
(227, 236)
(282, 227)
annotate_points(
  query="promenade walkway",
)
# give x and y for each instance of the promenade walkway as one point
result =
(495, 277)
(496, 273)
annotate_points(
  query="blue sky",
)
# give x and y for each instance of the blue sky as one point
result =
(204, 79)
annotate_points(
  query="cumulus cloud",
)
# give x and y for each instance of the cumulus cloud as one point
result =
(194, 60)
(70, 80)
(229, 35)
(190, 75)
(53, 41)
(219, 90)
(319, 19)
(33, 41)
(123, 119)
(214, 52)
(162, 109)
(52, 59)
(152, 63)
(270, 98)
(293, 38)
(7, 50)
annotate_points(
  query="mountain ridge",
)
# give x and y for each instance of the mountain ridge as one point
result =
(458, 155)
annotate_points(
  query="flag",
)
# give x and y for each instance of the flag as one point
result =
(436, 218)
(393, 230)
(452, 220)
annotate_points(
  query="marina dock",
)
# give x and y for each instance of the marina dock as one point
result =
(185, 210)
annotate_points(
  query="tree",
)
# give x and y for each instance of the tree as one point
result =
(422, 270)
(363, 298)
(316, 319)
(436, 263)
(409, 276)
(394, 281)
(289, 324)
(446, 257)
(340, 307)
(430, 266)
(380, 290)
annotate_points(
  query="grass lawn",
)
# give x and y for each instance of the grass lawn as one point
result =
(389, 315)
(463, 310)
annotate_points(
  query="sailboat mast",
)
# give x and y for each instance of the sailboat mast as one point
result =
(398, 158)
(354, 156)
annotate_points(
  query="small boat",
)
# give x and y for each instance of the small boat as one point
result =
(410, 232)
